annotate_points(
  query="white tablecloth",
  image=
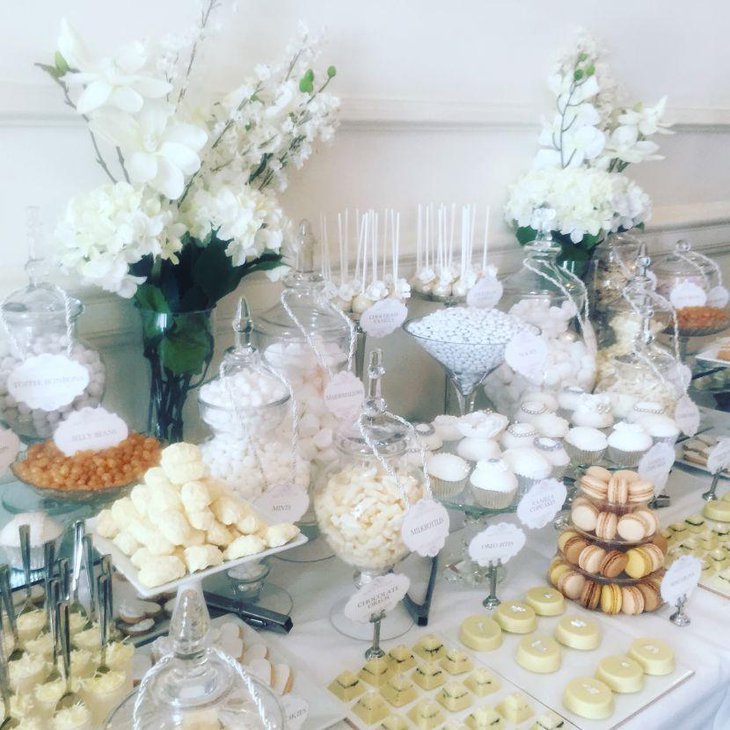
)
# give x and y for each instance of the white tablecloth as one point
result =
(701, 703)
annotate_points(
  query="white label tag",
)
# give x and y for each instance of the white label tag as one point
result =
(296, 711)
(498, 542)
(687, 416)
(718, 297)
(718, 457)
(655, 465)
(9, 447)
(687, 294)
(283, 503)
(383, 317)
(541, 503)
(90, 429)
(344, 395)
(485, 294)
(381, 595)
(684, 374)
(426, 527)
(526, 354)
(47, 381)
(681, 578)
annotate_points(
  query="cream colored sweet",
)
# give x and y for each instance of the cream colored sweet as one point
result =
(482, 682)
(480, 633)
(629, 438)
(27, 672)
(103, 692)
(593, 411)
(82, 664)
(538, 653)
(77, 717)
(482, 425)
(447, 467)
(578, 632)
(654, 655)
(120, 656)
(30, 625)
(589, 698)
(493, 483)
(360, 511)
(41, 646)
(473, 449)
(527, 463)
(621, 673)
(660, 427)
(515, 708)
(88, 639)
(47, 695)
(516, 617)
(545, 601)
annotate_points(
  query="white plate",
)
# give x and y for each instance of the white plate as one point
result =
(324, 709)
(124, 565)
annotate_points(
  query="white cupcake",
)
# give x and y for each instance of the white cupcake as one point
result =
(478, 449)
(554, 452)
(593, 411)
(530, 410)
(482, 425)
(585, 445)
(429, 438)
(621, 404)
(568, 399)
(551, 425)
(42, 529)
(519, 435)
(662, 429)
(446, 428)
(493, 484)
(627, 443)
(448, 474)
(529, 466)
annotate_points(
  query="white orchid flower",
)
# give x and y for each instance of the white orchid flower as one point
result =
(118, 82)
(624, 143)
(158, 149)
(647, 119)
(586, 143)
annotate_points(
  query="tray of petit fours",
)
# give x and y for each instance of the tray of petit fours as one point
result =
(706, 536)
(694, 451)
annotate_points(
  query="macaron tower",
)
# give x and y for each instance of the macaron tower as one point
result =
(612, 556)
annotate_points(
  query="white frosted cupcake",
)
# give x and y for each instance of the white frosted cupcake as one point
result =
(42, 529)
(585, 446)
(519, 435)
(593, 411)
(568, 399)
(554, 452)
(530, 410)
(448, 474)
(493, 484)
(429, 438)
(547, 399)
(478, 449)
(621, 404)
(627, 443)
(446, 427)
(662, 429)
(551, 425)
(482, 425)
(529, 466)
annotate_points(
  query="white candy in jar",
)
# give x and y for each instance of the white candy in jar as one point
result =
(360, 511)
(35, 421)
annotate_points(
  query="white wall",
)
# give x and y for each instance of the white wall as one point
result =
(441, 101)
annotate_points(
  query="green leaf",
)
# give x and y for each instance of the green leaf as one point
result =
(590, 70)
(577, 74)
(187, 346)
(149, 296)
(331, 72)
(214, 272)
(525, 234)
(52, 71)
(306, 85)
(61, 65)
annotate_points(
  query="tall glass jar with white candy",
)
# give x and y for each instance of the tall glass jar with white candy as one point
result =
(307, 340)
(40, 319)
(543, 294)
(248, 410)
(362, 498)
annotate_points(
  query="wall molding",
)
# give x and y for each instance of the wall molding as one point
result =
(40, 105)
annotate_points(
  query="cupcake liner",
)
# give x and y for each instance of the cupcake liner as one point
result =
(15, 558)
(624, 458)
(490, 499)
(583, 457)
(444, 489)
(524, 483)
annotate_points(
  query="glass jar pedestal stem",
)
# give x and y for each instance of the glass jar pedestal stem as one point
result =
(679, 617)
(709, 495)
(491, 601)
(375, 651)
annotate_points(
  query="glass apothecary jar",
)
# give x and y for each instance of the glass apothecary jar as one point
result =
(543, 294)
(248, 409)
(197, 687)
(39, 336)
(307, 340)
(362, 498)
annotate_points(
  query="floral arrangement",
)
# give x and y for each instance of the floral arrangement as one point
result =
(577, 188)
(190, 204)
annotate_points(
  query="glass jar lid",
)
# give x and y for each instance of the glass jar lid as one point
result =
(683, 264)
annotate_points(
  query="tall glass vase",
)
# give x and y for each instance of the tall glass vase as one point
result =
(179, 348)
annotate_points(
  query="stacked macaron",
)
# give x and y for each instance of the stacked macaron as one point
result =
(612, 558)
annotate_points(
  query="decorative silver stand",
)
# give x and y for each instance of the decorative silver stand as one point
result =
(679, 617)
(375, 652)
(709, 495)
(491, 601)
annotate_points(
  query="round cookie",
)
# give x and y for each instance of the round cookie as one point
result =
(564, 537)
(574, 547)
(591, 558)
(651, 524)
(632, 600)
(640, 490)
(590, 596)
(480, 633)
(655, 555)
(621, 673)
(545, 601)
(516, 617)
(618, 490)
(571, 584)
(650, 594)
(589, 698)
(611, 598)
(579, 633)
(594, 487)
(606, 526)
(584, 515)
(639, 563)
(538, 653)
(654, 656)
(631, 528)
(718, 510)
(613, 564)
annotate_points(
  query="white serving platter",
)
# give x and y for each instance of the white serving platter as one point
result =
(124, 565)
